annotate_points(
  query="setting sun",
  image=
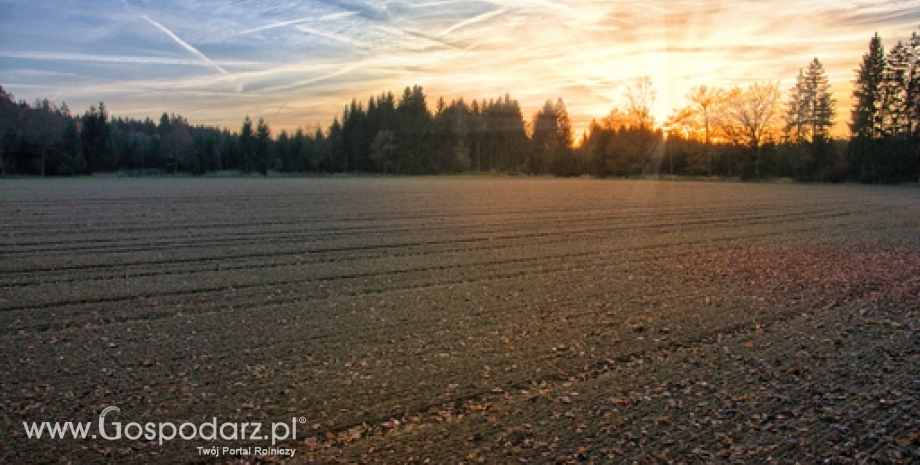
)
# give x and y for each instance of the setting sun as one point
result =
(298, 64)
(450, 231)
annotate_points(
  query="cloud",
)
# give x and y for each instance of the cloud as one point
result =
(123, 59)
(281, 24)
(237, 86)
(474, 20)
(185, 45)
(342, 38)
(373, 10)
(318, 54)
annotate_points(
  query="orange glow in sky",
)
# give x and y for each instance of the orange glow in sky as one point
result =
(300, 63)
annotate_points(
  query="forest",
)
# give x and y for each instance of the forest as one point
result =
(753, 132)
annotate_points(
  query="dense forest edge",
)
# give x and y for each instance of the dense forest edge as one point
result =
(752, 133)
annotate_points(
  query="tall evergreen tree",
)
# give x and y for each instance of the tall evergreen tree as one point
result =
(545, 138)
(331, 152)
(247, 144)
(913, 85)
(810, 111)
(809, 117)
(95, 133)
(263, 150)
(414, 133)
(894, 114)
(72, 161)
(564, 161)
(865, 115)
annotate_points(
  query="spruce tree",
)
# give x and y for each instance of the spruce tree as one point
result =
(545, 139)
(913, 85)
(796, 129)
(893, 91)
(810, 110)
(821, 111)
(95, 133)
(247, 144)
(72, 161)
(263, 153)
(865, 116)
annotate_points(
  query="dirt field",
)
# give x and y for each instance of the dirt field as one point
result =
(455, 320)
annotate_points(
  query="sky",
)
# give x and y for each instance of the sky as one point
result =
(299, 63)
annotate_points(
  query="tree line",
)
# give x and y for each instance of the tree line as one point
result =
(751, 132)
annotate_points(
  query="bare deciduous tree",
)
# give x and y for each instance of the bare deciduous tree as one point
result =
(748, 116)
(706, 99)
(640, 98)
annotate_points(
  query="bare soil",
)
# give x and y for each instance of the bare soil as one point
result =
(455, 320)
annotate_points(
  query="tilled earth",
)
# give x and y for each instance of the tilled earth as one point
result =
(465, 320)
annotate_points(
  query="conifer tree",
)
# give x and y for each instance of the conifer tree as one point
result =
(545, 139)
(810, 111)
(263, 153)
(247, 144)
(913, 85)
(865, 115)
(95, 133)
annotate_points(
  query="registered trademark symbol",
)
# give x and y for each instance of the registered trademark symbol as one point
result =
(302, 420)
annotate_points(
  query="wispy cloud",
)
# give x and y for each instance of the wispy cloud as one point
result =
(313, 56)
(185, 45)
(345, 39)
(123, 59)
(282, 24)
(474, 20)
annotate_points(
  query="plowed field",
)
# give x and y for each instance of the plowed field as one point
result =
(464, 320)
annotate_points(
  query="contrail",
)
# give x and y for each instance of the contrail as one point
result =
(333, 36)
(305, 82)
(236, 85)
(186, 45)
(292, 22)
(473, 20)
(279, 110)
(275, 25)
(431, 4)
(108, 58)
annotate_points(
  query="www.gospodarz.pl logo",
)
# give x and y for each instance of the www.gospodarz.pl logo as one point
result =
(165, 431)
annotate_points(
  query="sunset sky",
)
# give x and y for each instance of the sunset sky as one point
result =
(300, 62)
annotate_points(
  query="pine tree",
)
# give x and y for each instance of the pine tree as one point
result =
(72, 161)
(95, 133)
(865, 115)
(893, 106)
(263, 153)
(810, 112)
(414, 132)
(913, 85)
(332, 153)
(545, 139)
(563, 125)
(247, 144)
(797, 111)
(565, 163)
(515, 144)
